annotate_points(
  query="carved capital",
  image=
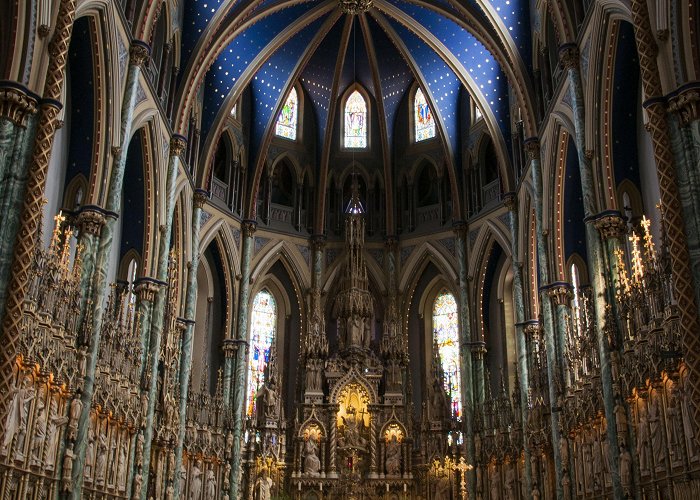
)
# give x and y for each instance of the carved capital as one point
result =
(139, 53)
(229, 347)
(531, 329)
(569, 56)
(686, 106)
(532, 149)
(116, 151)
(178, 145)
(478, 348)
(510, 201)
(560, 293)
(248, 227)
(611, 225)
(146, 290)
(91, 221)
(16, 105)
(200, 197)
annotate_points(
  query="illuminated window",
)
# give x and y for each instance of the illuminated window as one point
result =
(446, 336)
(423, 117)
(287, 120)
(355, 121)
(263, 321)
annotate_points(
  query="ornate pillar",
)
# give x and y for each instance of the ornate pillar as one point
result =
(229, 349)
(139, 54)
(24, 236)
(146, 289)
(177, 147)
(91, 220)
(570, 59)
(510, 202)
(560, 295)
(478, 350)
(200, 198)
(467, 372)
(18, 109)
(532, 148)
(248, 227)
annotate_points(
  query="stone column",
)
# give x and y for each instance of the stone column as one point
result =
(510, 202)
(478, 350)
(91, 220)
(532, 148)
(199, 199)
(18, 118)
(24, 234)
(229, 349)
(177, 147)
(248, 228)
(139, 54)
(467, 372)
(594, 247)
(146, 289)
(559, 293)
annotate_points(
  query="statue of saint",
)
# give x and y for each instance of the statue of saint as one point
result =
(211, 484)
(55, 423)
(39, 428)
(393, 456)
(263, 486)
(312, 464)
(16, 420)
(196, 483)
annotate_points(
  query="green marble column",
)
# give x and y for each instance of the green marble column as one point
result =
(248, 228)
(594, 247)
(177, 147)
(532, 148)
(139, 54)
(467, 372)
(521, 345)
(199, 199)
(91, 220)
(15, 152)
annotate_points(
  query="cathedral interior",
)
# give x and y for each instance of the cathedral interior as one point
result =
(349, 249)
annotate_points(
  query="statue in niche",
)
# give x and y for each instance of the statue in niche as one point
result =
(587, 460)
(138, 485)
(393, 374)
(566, 484)
(625, 466)
(313, 375)
(393, 456)
(442, 487)
(312, 464)
(101, 463)
(39, 427)
(657, 439)
(196, 482)
(642, 437)
(183, 480)
(211, 484)
(366, 334)
(68, 469)
(494, 493)
(76, 407)
(675, 423)
(351, 432)
(354, 332)
(439, 405)
(121, 466)
(597, 452)
(688, 422)
(509, 484)
(169, 492)
(268, 401)
(89, 454)
(55, 424)
(263, 486)
(16, 420)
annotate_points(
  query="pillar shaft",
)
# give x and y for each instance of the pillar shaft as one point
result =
(521, 346)
(533, 151)
(139, 53)
(467, 372)
(240, 370)
(188, 336)
(595, 250)
(177, 147)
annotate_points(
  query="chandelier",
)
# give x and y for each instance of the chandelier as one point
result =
(354, 7)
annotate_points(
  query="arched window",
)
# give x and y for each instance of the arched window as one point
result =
(263, 321)
(355, 121)
(287, 120)
(446, 337)
(423, 118)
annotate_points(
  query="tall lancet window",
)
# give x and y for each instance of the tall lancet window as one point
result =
(287, 120)
(355, 121)
(423, 118)
(446, 337)
(263, 321)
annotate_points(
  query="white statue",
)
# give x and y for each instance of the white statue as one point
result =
(139, 448)
(68, 469)
(101, 463)
(89, 455)
(211, 484)
(393, 456)
(642, 437)
(263, 486)
(55, 423)
(196, 482)
(138, 484)
(121, 466)
(312, 465)
(76, 408)
(625, 466)
(39, 428)
(16, 420)
(657, 438)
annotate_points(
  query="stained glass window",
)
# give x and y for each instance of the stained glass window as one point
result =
(287, 120)
(425, 124)
(263, 321)
(446, 336)
(355, 121)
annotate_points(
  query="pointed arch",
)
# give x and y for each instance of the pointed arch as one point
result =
(356, 118)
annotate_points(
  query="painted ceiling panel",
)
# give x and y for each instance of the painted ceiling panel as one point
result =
(395, 77)
(482, 66)
(357, 66)
(197, 15)
(270, 81)
(441, 81)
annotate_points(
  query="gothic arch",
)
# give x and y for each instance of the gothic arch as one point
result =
(415, 264)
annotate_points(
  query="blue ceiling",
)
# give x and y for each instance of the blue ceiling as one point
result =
(395, 73)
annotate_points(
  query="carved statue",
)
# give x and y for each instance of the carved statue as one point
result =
(675, 423)
(509, 485)
(564, 452)
(196, 482)
(442, 487)
(55, 423)
(16, 420)
(76, 407)
(267, 401)
(39, 428)
(657, 439)
(138, 485)
(211, 484)
(625, 465)
(139, 449)
(393, 456)
(263, 486)
(597, 452)
(312, 464)
(121, 466)
(494, 492)
(351, 434)
(101, 463)
(688, 422)
(642, 437)
(439, 405)
(68, 469)
(89, 455)
(169, 492)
